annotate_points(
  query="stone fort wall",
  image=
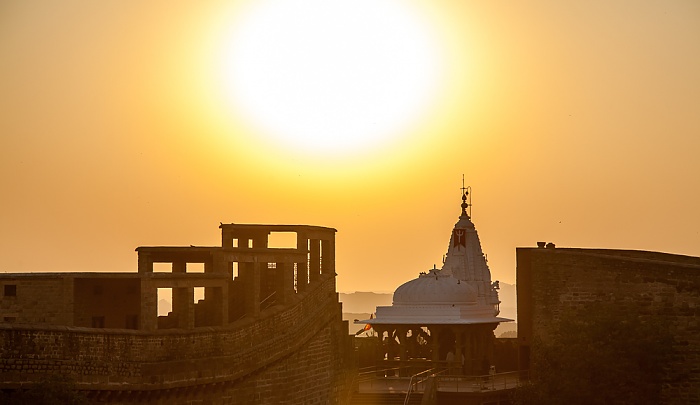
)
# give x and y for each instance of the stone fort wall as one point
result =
(549, 281)
(297, 353)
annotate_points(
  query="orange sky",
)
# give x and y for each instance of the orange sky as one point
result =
(574, 122)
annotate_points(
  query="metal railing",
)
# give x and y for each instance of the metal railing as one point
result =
(488, 382)
(420, 378)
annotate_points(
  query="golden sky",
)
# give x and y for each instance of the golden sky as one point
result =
(137, 123)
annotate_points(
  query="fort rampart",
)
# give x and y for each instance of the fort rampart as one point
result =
(292, 351)
(641, 284)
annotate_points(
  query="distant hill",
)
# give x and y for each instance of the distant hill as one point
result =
(364, 302)
(164, 306)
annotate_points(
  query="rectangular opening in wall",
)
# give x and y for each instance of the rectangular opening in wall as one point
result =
(296, 276)
(10, 290)
(198, 294)
(165, 301)
(195, 267)
(235, 269)
(235, 243)
(282, 240)
(162, 267)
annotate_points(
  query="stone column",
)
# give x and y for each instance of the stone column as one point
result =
(226, 239)
(458, 348)
(145, 263)
(179, 267)
(327, 260)
(469, 351)
(302, 277)
(250, 275)
(403, 343)
(284, 283)
(149, 305)
(314, 260)
(183, 306)
(435, 342)
(214, 297)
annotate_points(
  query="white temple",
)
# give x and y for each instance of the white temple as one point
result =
(459, 293)
(457, 305)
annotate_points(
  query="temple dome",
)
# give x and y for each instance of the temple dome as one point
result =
(436, 289)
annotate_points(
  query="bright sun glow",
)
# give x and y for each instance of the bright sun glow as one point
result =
(331, 76)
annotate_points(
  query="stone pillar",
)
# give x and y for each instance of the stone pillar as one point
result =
(468, 351)
(179, 267)
(149, 305)
(284, 283)
(250, 275)
(327, 260)
(209, 266)
(302, 277)
(314, 260)
(226, 239)
(434, 343)
(183, 307)
(458, 348)
(145, 263)
(214, 297)
(403, 351)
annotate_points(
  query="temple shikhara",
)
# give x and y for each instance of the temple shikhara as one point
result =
(446, 315)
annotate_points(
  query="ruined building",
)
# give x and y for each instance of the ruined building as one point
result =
(268, 331)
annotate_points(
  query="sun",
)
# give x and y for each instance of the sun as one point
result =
(330, 76)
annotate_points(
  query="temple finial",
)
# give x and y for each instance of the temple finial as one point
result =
(465, 196)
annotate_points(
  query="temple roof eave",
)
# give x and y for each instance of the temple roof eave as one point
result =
(427, 321)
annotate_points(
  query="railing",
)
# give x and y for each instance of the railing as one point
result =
(489, 382)
(411, 378)
(421, 377)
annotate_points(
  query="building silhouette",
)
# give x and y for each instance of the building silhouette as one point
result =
(269, 329)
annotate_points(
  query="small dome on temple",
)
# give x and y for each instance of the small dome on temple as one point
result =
(434, 288)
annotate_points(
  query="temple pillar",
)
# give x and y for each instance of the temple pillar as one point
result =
(469, 351)
(458, 331)
(434, 343)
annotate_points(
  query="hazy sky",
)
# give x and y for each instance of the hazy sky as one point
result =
(137, 123)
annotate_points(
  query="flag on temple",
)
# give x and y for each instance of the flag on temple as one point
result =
(367, 326)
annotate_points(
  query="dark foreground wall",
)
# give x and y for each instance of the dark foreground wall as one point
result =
(293, 354)
(551, 282)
